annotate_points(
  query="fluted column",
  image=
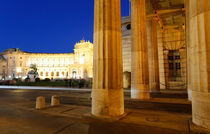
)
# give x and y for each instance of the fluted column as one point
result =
(187, 31)
(107, 92)
(139, 66)
(199, 11)
(154, 80)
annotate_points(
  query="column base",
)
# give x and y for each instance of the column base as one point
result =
(201, 108)
(155, 87)
(105, 118)
(107, 102)
(140, 91)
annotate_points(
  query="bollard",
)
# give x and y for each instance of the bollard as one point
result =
(55, 100)
(40, 102)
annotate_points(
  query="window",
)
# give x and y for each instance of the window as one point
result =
(128, 27)
(20, 64)
(20, 57)
(63, 73)
(41, 73)
(178, 66)
(47, 74)
(57, 74)
(52, 74)
(170, 57)
(177, 57)
(171, 66)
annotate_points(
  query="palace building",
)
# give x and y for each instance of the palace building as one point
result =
(16, 63)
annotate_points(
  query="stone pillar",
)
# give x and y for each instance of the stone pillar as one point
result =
(189, 54)
(107, 92)
(55, 100)
(154, 80)
(40, 102)
(139, 57)
(199, 15)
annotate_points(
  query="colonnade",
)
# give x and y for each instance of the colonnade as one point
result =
(107, 92)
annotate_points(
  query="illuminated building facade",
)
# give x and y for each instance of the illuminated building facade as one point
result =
(16, 63)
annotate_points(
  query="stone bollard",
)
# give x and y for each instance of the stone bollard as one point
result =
(55, 100)
(40, 102)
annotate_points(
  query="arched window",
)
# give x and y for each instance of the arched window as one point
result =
(52, 74)
(41, 73)
(57, 74)
(47, 74)
(63, 73)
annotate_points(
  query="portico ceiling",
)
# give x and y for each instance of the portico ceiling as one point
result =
(171, 13)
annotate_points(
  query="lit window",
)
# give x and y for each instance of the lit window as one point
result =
(57, 74)
(52, 74)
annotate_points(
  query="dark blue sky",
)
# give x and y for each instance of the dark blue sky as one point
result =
(52, 26)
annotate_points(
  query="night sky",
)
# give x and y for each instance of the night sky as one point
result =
(51, 26)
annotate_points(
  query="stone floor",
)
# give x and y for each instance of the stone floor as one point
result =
(18, 116)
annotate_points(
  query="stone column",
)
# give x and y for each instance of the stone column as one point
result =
(199, 11)
(154, 80)
(107, 92)
(187, 31)
(139, 57)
